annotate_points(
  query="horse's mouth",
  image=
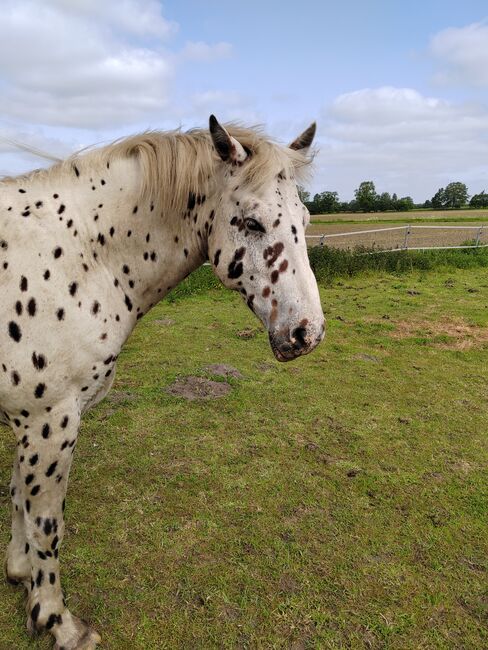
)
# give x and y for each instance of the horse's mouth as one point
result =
(279, 355)
(288, 350)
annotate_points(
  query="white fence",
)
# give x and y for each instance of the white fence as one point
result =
(408, 232)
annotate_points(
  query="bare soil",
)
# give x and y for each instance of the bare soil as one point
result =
(248, 332)
(192, 388)
(223, 370)
(463, 336)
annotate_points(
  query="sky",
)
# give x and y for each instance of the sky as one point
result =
(399, 90)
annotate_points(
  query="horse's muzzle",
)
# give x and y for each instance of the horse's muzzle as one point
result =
(296, 343)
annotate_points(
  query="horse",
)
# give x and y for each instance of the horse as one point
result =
(90, 245)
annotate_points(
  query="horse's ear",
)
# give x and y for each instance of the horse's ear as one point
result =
(305, 139)
(228, 148)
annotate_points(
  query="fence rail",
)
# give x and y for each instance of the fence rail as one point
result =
(408, 230)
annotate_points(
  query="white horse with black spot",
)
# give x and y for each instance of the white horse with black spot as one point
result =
(87, 247)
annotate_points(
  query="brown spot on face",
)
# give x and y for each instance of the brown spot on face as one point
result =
(273, 252)
(304, 322)
(274, 276)
(283, 266)
(266, 292)
(276, 223)
(274, 311)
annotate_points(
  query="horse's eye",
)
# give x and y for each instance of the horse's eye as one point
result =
(252, 224)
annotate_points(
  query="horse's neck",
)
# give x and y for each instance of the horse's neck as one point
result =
(146, 250)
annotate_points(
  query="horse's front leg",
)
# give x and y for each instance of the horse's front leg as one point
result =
(17, 563)
(48, 450)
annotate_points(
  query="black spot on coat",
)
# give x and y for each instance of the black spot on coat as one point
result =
(14, 331)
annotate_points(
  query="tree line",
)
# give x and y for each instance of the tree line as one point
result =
(367, 199)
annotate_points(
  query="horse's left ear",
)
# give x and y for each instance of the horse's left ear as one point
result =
(228, 148)
(305, 139)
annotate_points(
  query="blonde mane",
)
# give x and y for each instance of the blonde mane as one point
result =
(174, 163)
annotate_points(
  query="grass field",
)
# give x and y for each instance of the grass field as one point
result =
(411, 216)
(339, 501)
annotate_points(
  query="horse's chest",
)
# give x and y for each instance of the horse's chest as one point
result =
(97, 391)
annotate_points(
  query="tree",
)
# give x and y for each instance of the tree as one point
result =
(455, 195)
(326, 202)
(303, 194)
(479, 200)
(427, 204)
(439, 199)
(383, 202)
(366, 196)
(405, 203)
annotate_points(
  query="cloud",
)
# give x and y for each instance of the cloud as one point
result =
(91, 64)
(385, 104)
(404, 141)
(15, 160)
(81, 71)
(200, 51)
(462, 55)
(138, 17)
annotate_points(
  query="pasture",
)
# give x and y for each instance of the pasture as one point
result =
(411, 216)
(442, 234)
(339, 501)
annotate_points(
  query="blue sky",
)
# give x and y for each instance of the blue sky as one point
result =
(399, 90)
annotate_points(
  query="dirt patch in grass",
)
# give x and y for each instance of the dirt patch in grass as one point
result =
(223, 370)
(117, 397)
(366, 357)
(265, 365)
(248, 333)
(198, 388)
(462, 335)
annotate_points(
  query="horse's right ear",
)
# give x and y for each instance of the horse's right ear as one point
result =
(228, 148)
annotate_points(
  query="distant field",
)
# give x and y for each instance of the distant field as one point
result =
(405, 217)
(395, 238)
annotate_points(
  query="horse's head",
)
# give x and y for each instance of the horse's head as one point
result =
(257, 243)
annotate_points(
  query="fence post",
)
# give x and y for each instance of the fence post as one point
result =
(322, 239)
(405, 241)
(478, 235)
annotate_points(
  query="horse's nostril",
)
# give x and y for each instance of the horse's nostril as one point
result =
(299, 335)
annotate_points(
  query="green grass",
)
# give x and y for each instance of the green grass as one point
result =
(420, 215)
(336, 502)
(405, 220)
(329, 263)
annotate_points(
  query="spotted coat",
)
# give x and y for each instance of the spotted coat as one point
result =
(84, 254)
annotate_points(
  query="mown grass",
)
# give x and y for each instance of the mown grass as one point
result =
(385, 220)
(336, 502)
(412, 216)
